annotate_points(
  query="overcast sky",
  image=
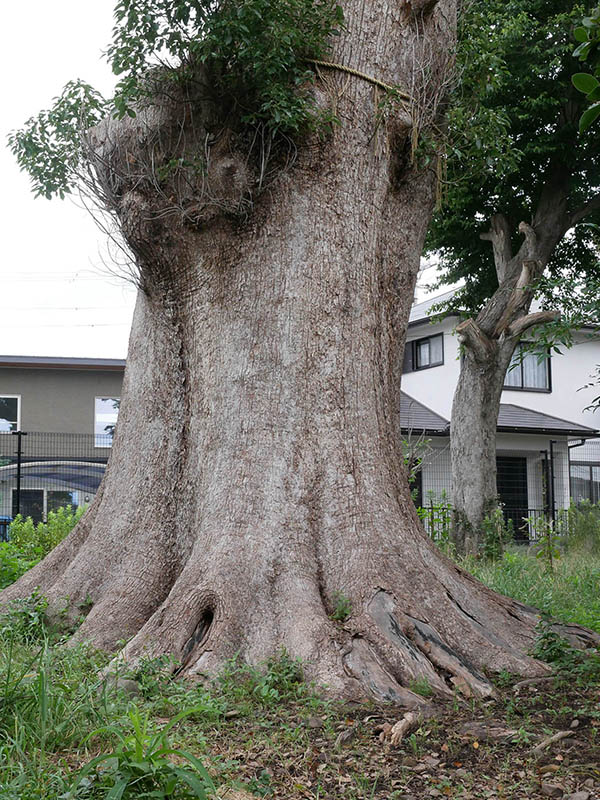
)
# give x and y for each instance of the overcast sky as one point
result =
(58, 297)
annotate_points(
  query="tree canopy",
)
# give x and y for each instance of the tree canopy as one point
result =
(513, 127)
(258, 55)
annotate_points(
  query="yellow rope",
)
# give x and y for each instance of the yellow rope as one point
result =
(350, 71)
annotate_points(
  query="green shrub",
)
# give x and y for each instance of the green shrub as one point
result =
(568, 662)
(34, 542)
(343, 607)
(583, 528)
(279, 680)
(141, 766)
(436, 516)
(12, 563)
(496, 534)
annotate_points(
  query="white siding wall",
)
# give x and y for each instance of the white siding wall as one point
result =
(434, 386)
(571, 370)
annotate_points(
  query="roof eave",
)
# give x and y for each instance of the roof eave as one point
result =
(425, 431)
(587, 434)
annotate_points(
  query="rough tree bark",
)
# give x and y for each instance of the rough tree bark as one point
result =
(256, 468)
(488, 343)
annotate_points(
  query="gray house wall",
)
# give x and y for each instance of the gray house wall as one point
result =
(60, 400)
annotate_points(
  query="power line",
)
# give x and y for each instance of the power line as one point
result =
(75, 325)
(62, 308)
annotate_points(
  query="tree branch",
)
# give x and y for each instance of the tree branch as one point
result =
(474, 339)
(520, 297)
(519, 326)
(530, 241)
(592, 205)
(499, 236)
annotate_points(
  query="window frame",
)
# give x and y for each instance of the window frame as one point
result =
(590, 480)
(16, 397)
(96, 435)
(546, 390)
(411, 350)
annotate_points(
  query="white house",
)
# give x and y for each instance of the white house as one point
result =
(546, 447)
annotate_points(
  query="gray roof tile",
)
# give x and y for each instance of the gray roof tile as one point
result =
(512, 417)
(415, 416)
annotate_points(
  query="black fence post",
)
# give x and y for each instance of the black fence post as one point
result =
(19, 435)
(552, 497)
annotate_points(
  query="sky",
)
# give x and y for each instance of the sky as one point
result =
(58, 295)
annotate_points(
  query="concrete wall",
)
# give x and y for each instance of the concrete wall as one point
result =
(59, 400)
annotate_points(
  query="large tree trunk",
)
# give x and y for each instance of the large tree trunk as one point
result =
(256, 474)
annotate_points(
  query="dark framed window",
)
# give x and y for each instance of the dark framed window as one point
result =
(585, 482)
(9, 412)
(528, 372)
(424, 353)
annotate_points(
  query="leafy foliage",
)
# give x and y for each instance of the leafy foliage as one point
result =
(516, 113)
(49, 146)
(34, 542)
(588, 35)
(29, 543)
(343, 607)
(547, 540)
(496, 534)
(255, 52)
(140, 766)
(568, 662)
(13, 564)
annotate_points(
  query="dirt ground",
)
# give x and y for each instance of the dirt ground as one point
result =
(467, 750)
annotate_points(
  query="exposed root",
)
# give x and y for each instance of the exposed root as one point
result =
(407, 724)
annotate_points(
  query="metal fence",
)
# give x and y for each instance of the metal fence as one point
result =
(533, 488)
(40, 472)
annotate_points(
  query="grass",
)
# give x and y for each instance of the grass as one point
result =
(570, 591)
(65, 735)
(266, 733)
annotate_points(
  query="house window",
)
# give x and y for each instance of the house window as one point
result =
(106, 411)
(10, 407)
(424, 353)
(585, 483)
(527, 371)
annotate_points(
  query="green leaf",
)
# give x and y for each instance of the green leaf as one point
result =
(589, 116)
(580, 34)
(584, 82)
(192, 781)
(582, 51)
(116, 793)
